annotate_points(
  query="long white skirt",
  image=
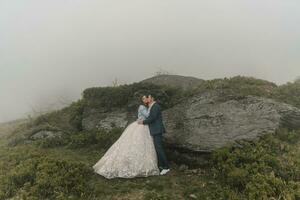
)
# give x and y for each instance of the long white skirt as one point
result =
(132, 155)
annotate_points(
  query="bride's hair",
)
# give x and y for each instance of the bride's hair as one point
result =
(143, 95)
(141, 98)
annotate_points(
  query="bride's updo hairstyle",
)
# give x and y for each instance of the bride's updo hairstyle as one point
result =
(138, 98)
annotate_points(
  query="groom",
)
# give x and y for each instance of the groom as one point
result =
(157, 128)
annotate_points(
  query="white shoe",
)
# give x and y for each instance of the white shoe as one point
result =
(164, 171)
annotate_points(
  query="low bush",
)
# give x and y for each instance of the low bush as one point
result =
(128, 96)
(45, 177)
(99, 139)
(260, 170)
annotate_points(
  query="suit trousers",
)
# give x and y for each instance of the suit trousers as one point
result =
(161, 156)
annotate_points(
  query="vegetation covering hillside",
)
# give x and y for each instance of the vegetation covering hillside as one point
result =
(61, 168)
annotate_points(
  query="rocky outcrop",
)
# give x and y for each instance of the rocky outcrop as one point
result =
(212, 120)
(33, 133)
(43, 134)
(208, 121)
(96, 116)
(195, 127)
(95, 119)
(183, 82)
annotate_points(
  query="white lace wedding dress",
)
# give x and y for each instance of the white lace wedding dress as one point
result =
(132, 155)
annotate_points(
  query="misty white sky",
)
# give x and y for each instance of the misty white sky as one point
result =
(50, 50)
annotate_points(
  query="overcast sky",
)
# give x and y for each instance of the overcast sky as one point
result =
(50, 50)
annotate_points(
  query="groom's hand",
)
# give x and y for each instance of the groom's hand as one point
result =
(140, 121)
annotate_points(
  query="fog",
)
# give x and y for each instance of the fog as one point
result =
(51, 50)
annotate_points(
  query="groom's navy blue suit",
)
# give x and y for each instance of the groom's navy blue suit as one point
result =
(156, 126)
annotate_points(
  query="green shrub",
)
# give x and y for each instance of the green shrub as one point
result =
(56, 176)
(263, 169)
(52, 142)
(238, 177)
(288, 93)
(76, 114)
(128, 96)
(239, 85)
(243, 86)
(67, 119)
(100, 139)
(24, 173)
(211, 190)
(291, 136)
(45, 177)
(268, 186)
(82, 139)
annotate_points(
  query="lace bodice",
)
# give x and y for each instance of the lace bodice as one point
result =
(143, 112)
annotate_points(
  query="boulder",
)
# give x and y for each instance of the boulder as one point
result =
(95, 119)
(44, 134)
(212, 120)
(183, 82)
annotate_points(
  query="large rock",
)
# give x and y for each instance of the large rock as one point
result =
(44, 134)
(183, 82)
(27, 134)
(212, 120)
(95, 119)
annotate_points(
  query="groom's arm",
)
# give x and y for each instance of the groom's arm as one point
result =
(153, 115)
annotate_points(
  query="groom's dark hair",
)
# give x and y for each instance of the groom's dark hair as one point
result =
(153, 96)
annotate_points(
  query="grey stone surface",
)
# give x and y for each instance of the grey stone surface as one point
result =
(45, 134)
(212, 120)
(184, 82)
(94, 119)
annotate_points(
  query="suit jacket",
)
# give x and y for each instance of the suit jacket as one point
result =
(154, 120)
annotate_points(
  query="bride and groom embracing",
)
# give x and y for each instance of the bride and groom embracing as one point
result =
(139, 151)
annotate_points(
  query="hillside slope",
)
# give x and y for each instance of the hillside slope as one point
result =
(183, 82)
(51, 157)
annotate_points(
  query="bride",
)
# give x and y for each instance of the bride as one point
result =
(133, 154)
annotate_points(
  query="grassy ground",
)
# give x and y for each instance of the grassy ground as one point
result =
(31, 172)
(20, 169)
(176, 185)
